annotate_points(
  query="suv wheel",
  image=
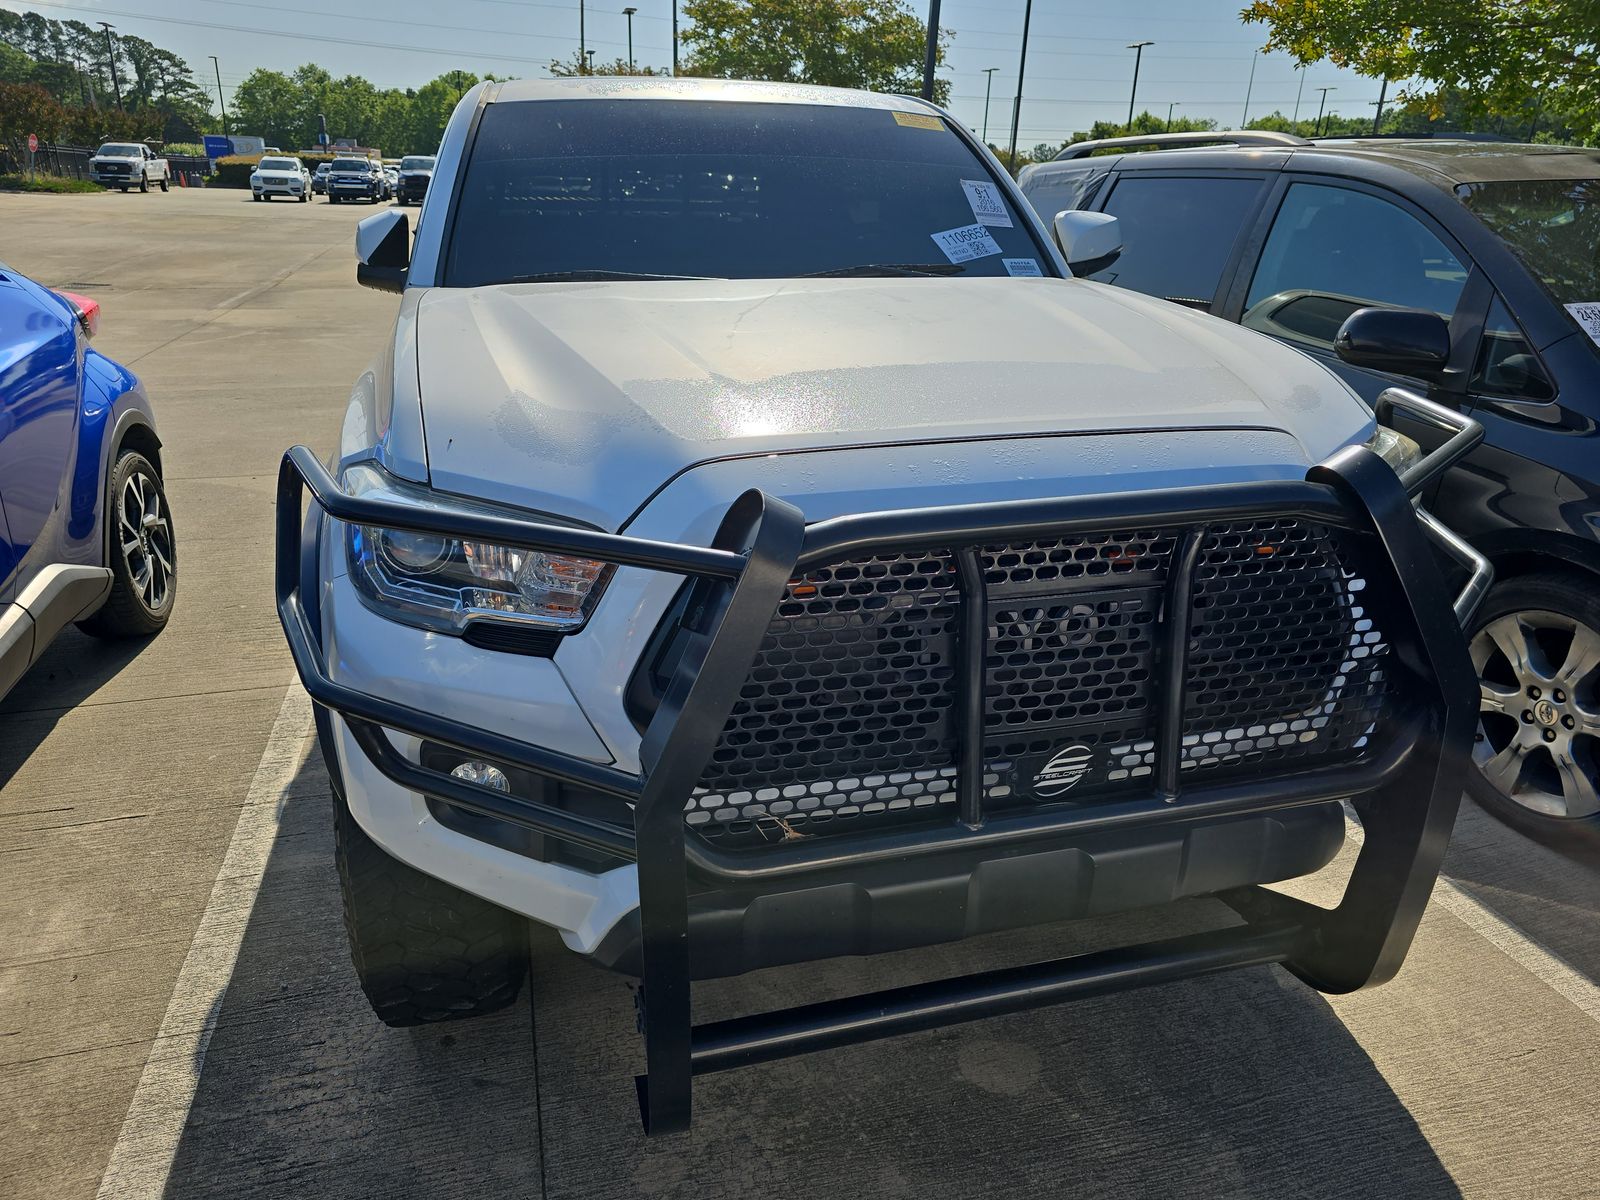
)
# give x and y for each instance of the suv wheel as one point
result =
(141, 553)
(423, 950)
(1536, 648)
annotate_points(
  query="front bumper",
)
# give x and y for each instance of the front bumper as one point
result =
(115, 178)
(1406, 790)
(275, 188)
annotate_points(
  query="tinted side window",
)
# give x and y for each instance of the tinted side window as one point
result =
(1333, 250)
(1177, 233)
(1507, 365)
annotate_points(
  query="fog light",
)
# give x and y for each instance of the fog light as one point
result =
(482, 773)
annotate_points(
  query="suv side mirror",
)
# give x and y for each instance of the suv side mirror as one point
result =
(383, 251)
(1406, 341)
(1089, 241)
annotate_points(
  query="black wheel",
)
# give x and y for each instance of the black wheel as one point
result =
(144, 183)
(142, 554)
(123, 190)
(423, 950)
(255, 196)
(163, 184)
(1536, 648)
(333, 199)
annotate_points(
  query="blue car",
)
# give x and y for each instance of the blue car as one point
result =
(85, 531)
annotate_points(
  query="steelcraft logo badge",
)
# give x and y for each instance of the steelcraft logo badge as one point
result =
(1063, 771)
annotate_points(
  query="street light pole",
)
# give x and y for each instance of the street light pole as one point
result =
(1322, 105)
(988, 87)
(1248, 88)
(1170, 107)
(628, 12)
(931, 60)
(589, 58)
(1377, 117)
(1300, 91)
(1138, 53)
(111, 62)
(1022, 63)
(221, 103)
(674, 38)
(583, 53)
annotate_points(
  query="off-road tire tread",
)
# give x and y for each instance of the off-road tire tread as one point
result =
(424, 951)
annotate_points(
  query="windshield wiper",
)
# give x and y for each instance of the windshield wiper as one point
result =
(888, 269)
(591, 276)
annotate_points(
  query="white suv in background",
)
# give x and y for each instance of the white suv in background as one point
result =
(281, 177)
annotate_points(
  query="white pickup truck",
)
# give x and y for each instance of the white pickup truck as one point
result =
(124, 165)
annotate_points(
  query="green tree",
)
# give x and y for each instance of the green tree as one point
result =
(565, 68)
(434, 102)
(878, 45)
(27, 108)
(269, 105)
(1491, 58)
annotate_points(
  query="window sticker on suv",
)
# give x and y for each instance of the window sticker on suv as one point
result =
(988, 208)
(1588, 317)
(966, 243)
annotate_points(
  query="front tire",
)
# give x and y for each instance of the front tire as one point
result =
(163, 183)
(144, 183)
(423, 951)
(1536, 648)
(141, 553)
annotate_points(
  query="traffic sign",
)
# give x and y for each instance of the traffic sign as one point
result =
(33, 143)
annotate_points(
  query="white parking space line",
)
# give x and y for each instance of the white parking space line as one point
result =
(148, 1141)
(1549, 968)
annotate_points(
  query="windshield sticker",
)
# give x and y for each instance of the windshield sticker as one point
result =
(965, 244)
(1587, 316)
(1022, 266)
(987, 206)
(917, 120)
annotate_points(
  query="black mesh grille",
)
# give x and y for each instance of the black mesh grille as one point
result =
(848, 717)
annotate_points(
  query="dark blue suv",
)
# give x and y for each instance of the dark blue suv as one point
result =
(1468, 269)
(85, 532)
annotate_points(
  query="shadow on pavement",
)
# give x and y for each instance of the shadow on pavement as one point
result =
(73, 668)
(1552, 897)
(1245, 1084)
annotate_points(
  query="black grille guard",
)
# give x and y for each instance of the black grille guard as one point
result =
(1406, 792)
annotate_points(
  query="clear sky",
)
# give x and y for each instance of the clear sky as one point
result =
(1078, 68)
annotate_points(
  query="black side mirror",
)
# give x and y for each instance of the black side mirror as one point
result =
(383, 251)
(1407, 341)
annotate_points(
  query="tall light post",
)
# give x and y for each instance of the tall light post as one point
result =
(628, 12)
(111, 62)
(1248, 88)
(583, 43)
(931, 59)
(1170, 107)
(674, 38)
(1022, 64)
(1138, 53)
(1300, 70)
(988, 87)
(1377, 117)
(221, 103)
(1322, 106)
(588, 56)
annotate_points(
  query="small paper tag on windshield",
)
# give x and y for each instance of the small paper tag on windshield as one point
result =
(1022, 266)
(1588, 316)
(987, 206)
(917, 120)
(965, 244)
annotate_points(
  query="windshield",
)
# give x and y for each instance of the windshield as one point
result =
(120, 150)
(416, 163)
(278, 164)
(631, 188)
(1552, 225)
(351, 164)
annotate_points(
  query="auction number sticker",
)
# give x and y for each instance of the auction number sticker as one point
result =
(1588, 316)
(917, 120)
(987, 206)
(1022, 266)
(965, 244)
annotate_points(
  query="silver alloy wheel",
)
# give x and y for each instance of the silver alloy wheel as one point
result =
(1539, 713)
(145, 536)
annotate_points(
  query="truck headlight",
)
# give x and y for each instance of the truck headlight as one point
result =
(1395, 448)
(444, 583)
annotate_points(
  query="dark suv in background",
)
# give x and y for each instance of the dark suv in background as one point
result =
(1485, 261)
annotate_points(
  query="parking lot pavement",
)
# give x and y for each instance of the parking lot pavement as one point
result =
(165, 867)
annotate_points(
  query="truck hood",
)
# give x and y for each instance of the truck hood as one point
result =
(584, 399)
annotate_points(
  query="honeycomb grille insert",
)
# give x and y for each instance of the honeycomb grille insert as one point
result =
(848, 718)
